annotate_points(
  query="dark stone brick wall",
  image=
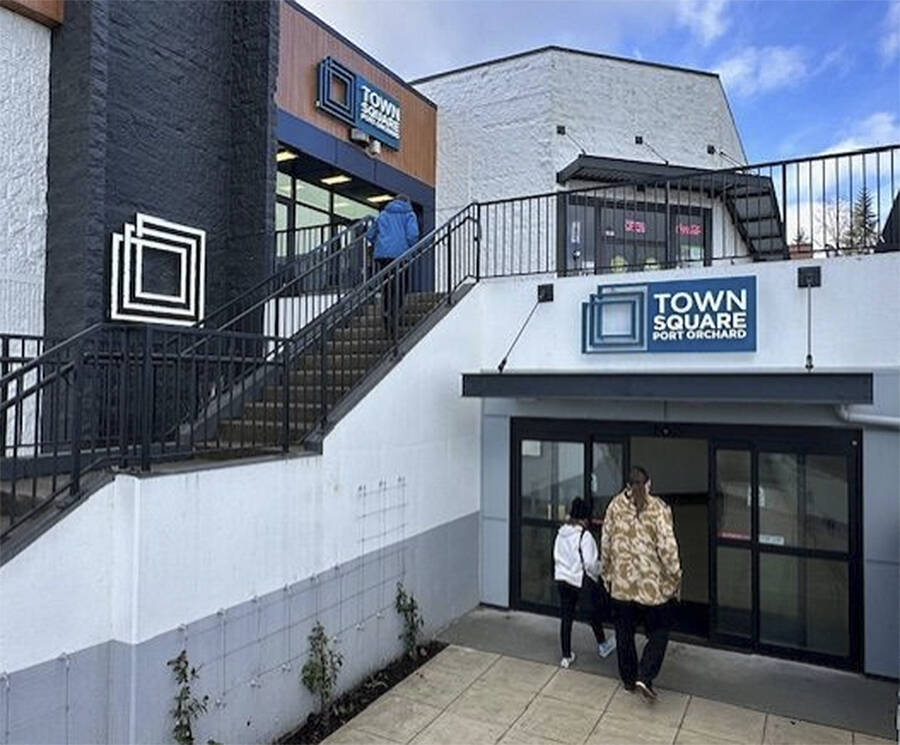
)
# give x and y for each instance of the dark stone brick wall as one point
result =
(165, 107)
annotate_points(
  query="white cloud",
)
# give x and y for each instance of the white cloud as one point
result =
(880, 128)
(756, 70)
(705, 18)
(890, 41)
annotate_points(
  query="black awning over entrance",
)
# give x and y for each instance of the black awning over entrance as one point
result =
(796, 388)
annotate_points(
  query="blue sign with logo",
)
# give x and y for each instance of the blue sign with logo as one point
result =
(700, 315)
(354, 100)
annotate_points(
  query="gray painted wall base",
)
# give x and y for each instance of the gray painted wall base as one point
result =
(248, 656)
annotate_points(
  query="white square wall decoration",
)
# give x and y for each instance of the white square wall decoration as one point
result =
(148, 237)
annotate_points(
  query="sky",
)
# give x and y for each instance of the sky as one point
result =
(802, 76)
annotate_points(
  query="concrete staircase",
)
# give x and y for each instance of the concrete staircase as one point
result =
(351, 354)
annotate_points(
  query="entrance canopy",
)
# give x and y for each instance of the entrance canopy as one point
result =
(797, 388)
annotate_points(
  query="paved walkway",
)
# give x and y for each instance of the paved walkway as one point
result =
(466, 696)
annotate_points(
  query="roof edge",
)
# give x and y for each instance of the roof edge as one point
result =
(569, 50)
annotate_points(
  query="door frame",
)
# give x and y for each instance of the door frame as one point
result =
(756, 438)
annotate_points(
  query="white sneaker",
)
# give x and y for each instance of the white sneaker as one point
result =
(608, 646)
(567, 662)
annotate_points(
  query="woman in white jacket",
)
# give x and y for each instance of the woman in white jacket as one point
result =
(577, 566)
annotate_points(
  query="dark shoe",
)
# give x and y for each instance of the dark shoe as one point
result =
(646, 690)
(629, 687)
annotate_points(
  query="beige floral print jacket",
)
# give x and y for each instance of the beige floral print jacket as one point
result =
(639, 555)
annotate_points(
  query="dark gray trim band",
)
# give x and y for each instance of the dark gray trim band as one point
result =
(798, 388)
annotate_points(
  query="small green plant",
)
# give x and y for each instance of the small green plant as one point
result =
(408, 608)
(187, 706)
(320, 671)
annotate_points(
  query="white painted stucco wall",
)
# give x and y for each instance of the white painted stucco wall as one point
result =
(497, 122)
(853, 288)
(24, 118)
(144, 555)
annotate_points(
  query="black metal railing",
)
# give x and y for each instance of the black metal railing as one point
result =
(274, 368)
(300, 288)
(827, 205)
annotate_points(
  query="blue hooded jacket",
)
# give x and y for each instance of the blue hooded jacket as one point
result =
(395, 230)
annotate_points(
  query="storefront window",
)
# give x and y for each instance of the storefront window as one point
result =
(283, 185)
(803, 501)
(733, 494)
(351, 209)
(304, 217)
(552, 476)
(804, 603)
(605, 235)
(313, 196)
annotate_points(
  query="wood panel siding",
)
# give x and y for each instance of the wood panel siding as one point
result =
(303, 44)
(47, 12)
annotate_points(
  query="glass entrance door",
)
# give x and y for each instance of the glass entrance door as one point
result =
(550, 473)
(784, 545)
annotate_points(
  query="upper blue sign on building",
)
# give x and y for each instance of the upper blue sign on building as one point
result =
(701, 315)
(353, 99)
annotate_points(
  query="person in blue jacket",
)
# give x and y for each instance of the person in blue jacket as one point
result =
(393, 233)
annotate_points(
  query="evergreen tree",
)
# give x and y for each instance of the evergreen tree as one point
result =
(863, 229)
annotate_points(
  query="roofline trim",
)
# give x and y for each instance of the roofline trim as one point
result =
(569, 50)
(295, 5)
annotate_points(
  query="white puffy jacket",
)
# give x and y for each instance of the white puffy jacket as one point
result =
(568, 566)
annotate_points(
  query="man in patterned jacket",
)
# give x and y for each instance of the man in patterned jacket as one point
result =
(641, 571)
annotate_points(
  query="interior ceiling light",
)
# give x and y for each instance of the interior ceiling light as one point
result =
(380, 198)
(284, 155)
(335, 180)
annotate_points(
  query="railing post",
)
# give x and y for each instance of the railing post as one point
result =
(477, 242)
(669, 226)
(5, 366)
(322, 382)
(286, 398)
(77, 401)
(449, 265)
(147, 398)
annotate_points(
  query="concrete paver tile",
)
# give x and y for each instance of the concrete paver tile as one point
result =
(452, 729)
(395, 717)
(350, 735)
(860, 739)
(667, 711)
(586, 689)
(615, 730)
(557, 720)
(688, 737)
(462, 660)
(492, 703)
(784, 731)
(515, 737)
(724, 721)
(521, 675)
(433, 685)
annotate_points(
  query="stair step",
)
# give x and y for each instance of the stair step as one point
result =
(355, 345)
(306, 393)
(345, 376)
(254, 432)
(334, 363)
(271, 411)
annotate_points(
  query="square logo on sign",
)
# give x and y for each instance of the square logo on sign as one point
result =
(158, 272)
(614, 320)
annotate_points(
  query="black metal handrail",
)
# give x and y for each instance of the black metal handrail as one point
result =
(231, 313)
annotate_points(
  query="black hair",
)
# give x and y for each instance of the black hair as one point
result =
(637, 480)
(578, 509)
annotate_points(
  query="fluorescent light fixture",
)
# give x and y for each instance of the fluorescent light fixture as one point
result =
(380, 198)
(284, 155)
(335, 180)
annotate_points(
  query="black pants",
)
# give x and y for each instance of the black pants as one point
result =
(657, 620)
(392, 292)
(568, 600)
